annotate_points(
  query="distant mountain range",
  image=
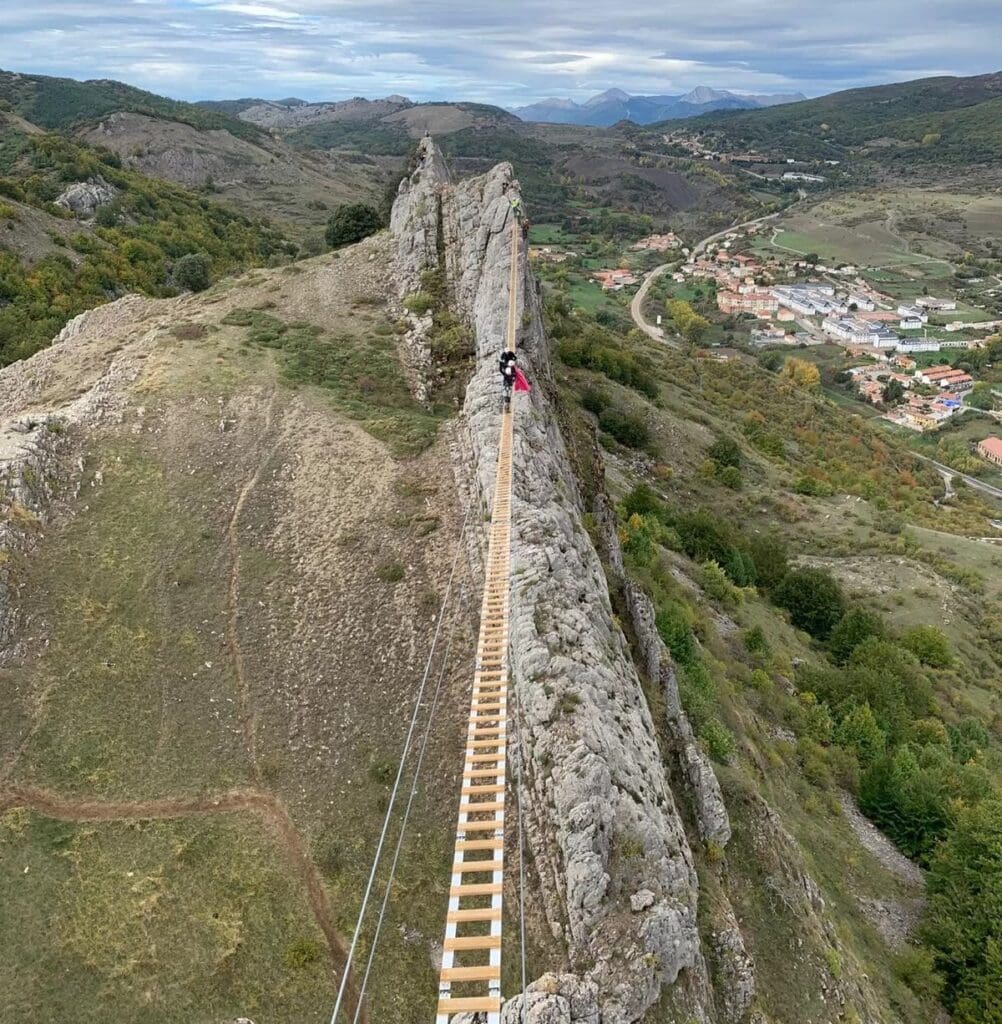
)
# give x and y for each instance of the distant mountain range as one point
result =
(615, 105)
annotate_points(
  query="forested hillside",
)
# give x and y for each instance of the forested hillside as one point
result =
(146, 235)
(932, 119)
(59, 103)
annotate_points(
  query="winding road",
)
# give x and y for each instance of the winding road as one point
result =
(637, 305)
(971, 481)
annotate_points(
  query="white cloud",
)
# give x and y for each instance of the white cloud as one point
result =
(507, 53)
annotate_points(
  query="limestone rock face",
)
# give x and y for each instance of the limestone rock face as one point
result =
(708, 802)
(85, 198)
(554, 999)
(603, 824)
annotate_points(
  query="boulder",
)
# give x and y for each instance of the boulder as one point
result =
(85, 198)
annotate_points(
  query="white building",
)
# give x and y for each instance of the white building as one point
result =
(931, 302)
(911, 323)
(809, 299)
(798, 176)
(910, 345)
(862, 302)
(910, 312)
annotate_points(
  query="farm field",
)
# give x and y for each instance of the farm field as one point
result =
(916, 231)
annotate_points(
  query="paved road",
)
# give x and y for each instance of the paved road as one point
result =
(971, 481)
(636, 306)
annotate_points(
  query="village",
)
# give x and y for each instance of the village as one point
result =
(897, 353)
(803, 302)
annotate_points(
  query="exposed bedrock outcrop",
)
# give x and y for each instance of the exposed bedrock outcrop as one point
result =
(604, 825)
(694, 765)
(36, 446)
(85, 198)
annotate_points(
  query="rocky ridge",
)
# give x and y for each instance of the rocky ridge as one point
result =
(616, 873)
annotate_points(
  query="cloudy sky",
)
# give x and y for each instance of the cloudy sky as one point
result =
(489, 50)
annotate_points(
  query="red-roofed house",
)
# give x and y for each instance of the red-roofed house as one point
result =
(991, 449)
(759, 301)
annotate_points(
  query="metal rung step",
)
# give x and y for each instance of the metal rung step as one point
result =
(480, 844)
(473, 916)
(494, 825)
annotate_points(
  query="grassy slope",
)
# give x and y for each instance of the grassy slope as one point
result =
(143, 699)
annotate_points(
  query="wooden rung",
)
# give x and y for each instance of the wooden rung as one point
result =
(477, 744)
(476, 914)
(481, 758)
(494, 705)
(480, 844)
(479, 889)
(480, 808)
(488, 972)
(472, 790)
(474, 867)
(494, 825)
(473, 942)
(485, 1004)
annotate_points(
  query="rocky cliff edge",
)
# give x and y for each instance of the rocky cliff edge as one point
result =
(614, 867)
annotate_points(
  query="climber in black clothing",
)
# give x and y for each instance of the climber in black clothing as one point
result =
(506, 366)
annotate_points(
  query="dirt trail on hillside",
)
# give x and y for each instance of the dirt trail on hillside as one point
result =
(265, 805)
(248, 713)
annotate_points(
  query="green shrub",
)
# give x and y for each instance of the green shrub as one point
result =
(917, 969)
(302, 953)
(814, 600)
(963, 922)
(390, 572)
(929, 644)
(715, 583)
(673, 624)
(726, 452)
(644, 502)
(192, 272)
(718, 740)
(853, 628)
(755, 640)
(419, 303)
(860, 733)
(626, 428)
(351, 222)
(730, 476)
(769, 554)
(813, 487)
(594, 400)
